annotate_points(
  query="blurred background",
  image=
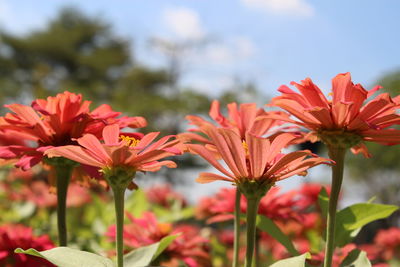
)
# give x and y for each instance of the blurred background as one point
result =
(166, 59)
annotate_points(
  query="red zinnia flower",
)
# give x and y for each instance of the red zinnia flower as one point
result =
(20, 236)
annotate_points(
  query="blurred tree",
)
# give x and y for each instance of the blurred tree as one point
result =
(73, 52)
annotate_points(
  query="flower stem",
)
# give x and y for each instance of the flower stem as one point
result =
(235, 262)
(119, 193)
(337, 154)
(251, 217)
(63, 174)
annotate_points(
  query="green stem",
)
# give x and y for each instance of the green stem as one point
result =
(257, 249)
(119, 193)
(63, 173)
(251, 217)
(337, 154)
(235, 262)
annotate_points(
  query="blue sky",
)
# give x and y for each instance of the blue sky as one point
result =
(270, 42)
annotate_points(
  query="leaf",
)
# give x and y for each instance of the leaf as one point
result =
(323, 201)
(356, 258)
(298, 261)
(268, 226)
(143, 256)
(350, 220)
(68, 257)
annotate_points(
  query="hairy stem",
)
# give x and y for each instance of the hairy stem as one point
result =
(235, 262)
(119, 215)
(63, 174)
(251, 217)
(337, 154)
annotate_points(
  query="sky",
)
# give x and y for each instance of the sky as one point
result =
(268, 42)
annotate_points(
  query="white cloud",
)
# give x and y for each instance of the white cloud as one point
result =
(231, 51)
(291, 7)
(184, 23)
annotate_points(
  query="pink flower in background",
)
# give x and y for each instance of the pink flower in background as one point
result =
(20, 236)
(388, 242)
(283, 207)
(189, 246)
(164, 196)
(345, 115)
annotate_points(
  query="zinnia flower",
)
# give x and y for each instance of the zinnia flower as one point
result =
(345, 120)
(126, 152)
(243, 119)
(255, 159)
(20, 236)
(164, 196)
(53, 122)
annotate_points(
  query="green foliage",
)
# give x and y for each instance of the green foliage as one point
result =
(268, 226)
(145, 255)
(298, 261)
(356, 258)
(323, 201)
(68, 257)
(350, 220)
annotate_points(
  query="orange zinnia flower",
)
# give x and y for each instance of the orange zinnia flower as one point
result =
(344, 121)
(254, 159)
(130, 152)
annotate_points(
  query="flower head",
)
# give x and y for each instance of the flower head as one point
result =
(120, 154)
(164, 196)
(253, 160)
(54, 122)
(241, 119)
(344, 121)
(20, 236)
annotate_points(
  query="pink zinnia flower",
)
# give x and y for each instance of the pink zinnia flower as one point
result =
(241, 119)
(131, 152)
(253, 159)
(345, 120)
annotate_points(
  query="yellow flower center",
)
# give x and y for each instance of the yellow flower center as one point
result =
(130, 141)
(246, 147)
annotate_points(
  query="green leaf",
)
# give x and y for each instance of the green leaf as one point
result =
(323, 201)
(267, 225)
(350, 220)
(68, 257)
(145, 255)
(298, 261)
(356, 258)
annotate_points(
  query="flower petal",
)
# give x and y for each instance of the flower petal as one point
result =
(75, 153)
(207, 177)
